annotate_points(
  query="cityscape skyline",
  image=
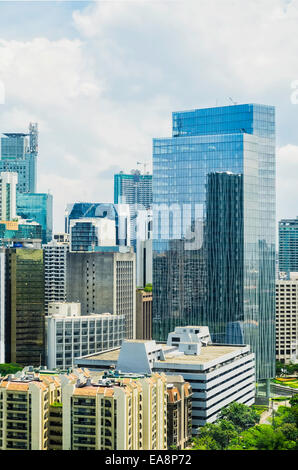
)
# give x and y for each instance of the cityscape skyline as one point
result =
(107, 78)
(148, 225)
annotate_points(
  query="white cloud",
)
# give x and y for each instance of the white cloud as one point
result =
(100, 98)
(287, 186)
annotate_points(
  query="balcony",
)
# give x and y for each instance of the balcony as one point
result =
(86, 412)
(17, 418)
(17, 436)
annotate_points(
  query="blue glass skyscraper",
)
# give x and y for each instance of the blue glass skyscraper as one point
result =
(214, 227)
(288, 245)
(89, 210)
(134, 189)
(19, 154)
(37, 207)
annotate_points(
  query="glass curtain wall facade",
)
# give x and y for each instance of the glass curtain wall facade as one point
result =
(119, 213)
(19, 153)
(214, 227)
(134, 189)
(37, 207)
(25, 319)
(288, 245)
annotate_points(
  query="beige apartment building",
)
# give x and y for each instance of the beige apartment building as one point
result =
(286, 323)
(115, 413)
(25, 399)
(179, 427)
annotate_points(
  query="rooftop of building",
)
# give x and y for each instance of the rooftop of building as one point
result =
(207, 354)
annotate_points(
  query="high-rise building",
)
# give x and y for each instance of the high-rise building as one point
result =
(288, 245)
(55, 257)
(214, 227)
(99, 212)
(37, 207)
(144, 313)
(19, 153)
(219, 374)
(144, 248)
(179, 411)
(134, 189)
(87, 233)
(8, 183)
(2, 305)
(24, 306)
(287, 319)
(116, 412)
(70, 334)
(25, 400)
(104, 281)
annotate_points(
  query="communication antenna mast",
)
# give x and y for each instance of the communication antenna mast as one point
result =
(144, 166)
(232, 101)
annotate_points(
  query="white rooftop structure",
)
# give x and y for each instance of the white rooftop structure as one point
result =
(218, 374)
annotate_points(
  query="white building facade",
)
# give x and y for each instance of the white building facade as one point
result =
(70, 335)
(286, 323)
(55, 254)
(218, 374)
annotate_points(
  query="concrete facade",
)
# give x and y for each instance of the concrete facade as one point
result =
(104, 282)
(218, 374)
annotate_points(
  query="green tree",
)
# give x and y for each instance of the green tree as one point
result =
(205, 443)
(242, 416)
(9, 368)
(263, 437)
(294, 400)
(215, 436)
(290, 431)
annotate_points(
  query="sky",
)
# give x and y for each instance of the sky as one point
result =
(102, 79)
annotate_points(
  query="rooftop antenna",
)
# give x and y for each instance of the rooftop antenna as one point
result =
(144, 166)
(232, 101)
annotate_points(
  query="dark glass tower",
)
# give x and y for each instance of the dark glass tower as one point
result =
(39, 208)
(288, 245)
(134, 189)
(214, 227)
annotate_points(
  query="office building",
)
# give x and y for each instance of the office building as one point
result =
(61, 237)
(19, 153)
(24, 306)
(179, 412)
(144, 248)
(71, 335)
(55, 254)
(37, 207)
(144, 313)
(134, 189)
(287, 319)
(25, 399)
(218, 374)
(214, 228)
(8, 182)
(104, 281)
(288, 245)
(119, 213)
(19, 229)
(2, 305)
(116, 412)
(86, 234)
